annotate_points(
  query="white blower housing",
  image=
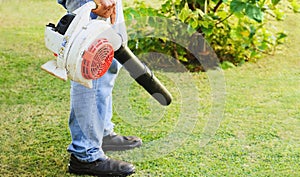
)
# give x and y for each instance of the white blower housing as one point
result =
(85, 50)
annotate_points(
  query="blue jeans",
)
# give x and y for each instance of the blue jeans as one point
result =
(90, 117)
(91, 109)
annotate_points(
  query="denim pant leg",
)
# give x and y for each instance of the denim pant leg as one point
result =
(104, 87)
(90, 117)
(85, 123)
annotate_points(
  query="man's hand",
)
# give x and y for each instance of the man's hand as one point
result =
(106, 9)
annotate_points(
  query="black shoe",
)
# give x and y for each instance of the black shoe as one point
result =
(108, 167)
(114, 142)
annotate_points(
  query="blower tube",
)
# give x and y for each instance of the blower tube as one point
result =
(143, 75)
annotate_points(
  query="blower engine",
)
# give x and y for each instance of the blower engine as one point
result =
(84, 50)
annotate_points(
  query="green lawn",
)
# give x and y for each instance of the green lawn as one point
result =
(259, 134)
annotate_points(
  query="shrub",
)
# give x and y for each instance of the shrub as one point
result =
(237, 30)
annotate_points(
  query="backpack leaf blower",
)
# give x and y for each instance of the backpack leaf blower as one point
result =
(84, 50)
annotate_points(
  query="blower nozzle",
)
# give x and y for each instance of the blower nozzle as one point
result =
(143, 75)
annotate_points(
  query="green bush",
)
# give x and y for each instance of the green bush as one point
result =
(237, 30)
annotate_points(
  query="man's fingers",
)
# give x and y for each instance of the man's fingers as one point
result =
(113, 16)
(106, 9)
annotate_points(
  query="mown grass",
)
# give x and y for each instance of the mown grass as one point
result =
(259, 134)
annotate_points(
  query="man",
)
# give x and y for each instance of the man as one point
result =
(91, 109)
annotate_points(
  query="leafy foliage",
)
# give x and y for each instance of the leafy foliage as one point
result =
(237, 30)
